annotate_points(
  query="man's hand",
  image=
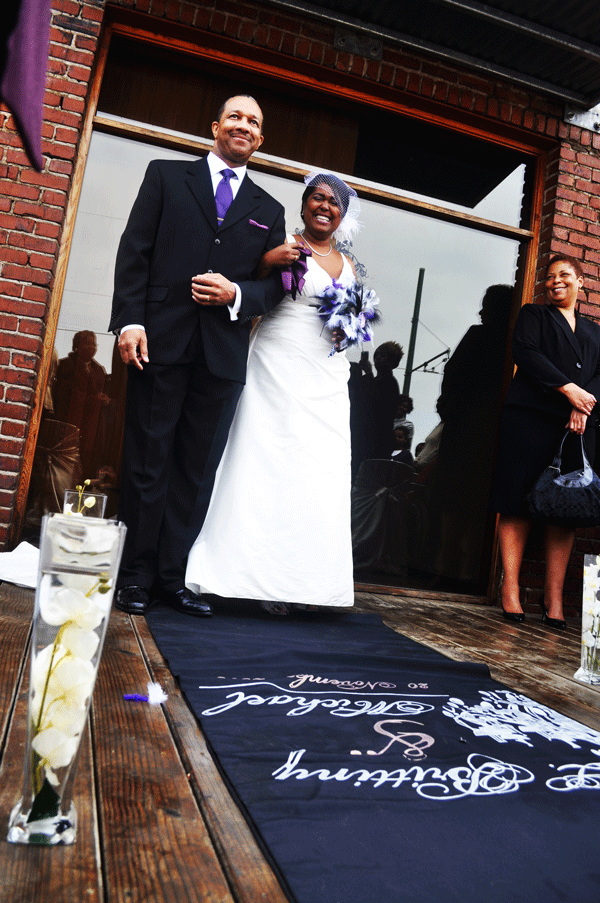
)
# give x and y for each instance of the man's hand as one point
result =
(212, 288)
(133, 347)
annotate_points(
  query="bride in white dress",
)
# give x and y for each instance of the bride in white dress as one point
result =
(278, 527)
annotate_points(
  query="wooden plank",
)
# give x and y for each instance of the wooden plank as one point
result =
(528, 658)
(47, 874)
(16, 605)
(155, 842)
(250, 875)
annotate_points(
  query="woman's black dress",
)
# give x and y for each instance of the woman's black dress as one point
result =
(534, 416)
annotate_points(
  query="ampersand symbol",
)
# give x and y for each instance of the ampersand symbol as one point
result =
(414, 741)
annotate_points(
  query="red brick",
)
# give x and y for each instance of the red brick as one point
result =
(85, 43)
(71, 7)
(64, 86)
(7, 481)
(79, 73)
(13, 428)
(19, 190)
(276, 37)
(17, 156)
(10, 447)
(64, 151)
(16, 223)
(24, 360)
(329, 56)
(57, 67)
(232, 26)
(42, 261)
(27, 274)
(31, 327)
(261, 35)
(186, 15)
(8, 323)
(73, 103)
(48, 230)
(17, 395)
(14, 412)
(358, 64)
(92, 13)
(17, 377)
(246, 32)
(62, 166)
(63, 117)
(29, 242)
(11, 290)
(20, 342)
(54, 198)
(51, 99)
(13, 255)
(45, 179)
(36, 294)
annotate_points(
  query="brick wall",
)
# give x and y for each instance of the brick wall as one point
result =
(32, 214)
(33, 205)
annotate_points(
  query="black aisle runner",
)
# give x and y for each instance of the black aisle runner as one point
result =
(373, 769)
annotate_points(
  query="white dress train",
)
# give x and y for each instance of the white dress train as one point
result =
(278, 525)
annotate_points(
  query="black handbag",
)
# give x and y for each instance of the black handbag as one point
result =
(572, 499)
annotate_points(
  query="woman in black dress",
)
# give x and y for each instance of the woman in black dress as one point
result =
(555, 388)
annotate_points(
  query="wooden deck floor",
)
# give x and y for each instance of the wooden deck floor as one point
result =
(156, 821)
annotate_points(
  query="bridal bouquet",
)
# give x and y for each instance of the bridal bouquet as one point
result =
(349, 311)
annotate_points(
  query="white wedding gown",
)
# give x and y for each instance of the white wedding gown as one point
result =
(278, 526)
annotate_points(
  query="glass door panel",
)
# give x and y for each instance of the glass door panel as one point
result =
(437, 516)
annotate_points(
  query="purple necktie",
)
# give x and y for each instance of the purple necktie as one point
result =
(224, 194)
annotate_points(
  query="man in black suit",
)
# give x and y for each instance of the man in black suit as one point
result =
(185, 295)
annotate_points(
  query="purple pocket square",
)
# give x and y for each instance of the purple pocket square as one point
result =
(252, 222)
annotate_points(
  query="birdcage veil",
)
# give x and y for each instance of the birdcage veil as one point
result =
(347, 200)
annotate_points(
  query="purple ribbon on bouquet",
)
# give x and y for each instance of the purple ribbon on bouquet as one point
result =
(293, 275)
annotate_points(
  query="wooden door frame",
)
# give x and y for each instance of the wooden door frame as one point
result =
(183, 39)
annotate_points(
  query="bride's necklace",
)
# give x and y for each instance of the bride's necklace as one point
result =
(318, 253)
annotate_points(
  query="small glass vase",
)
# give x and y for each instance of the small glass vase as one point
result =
(90, 504)
(589, 671)
(79, 560)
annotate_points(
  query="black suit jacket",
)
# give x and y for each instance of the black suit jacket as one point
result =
(548, 354)
(172, 235)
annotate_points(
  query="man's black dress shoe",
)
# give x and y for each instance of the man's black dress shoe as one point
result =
(135, 600)
(187, 602)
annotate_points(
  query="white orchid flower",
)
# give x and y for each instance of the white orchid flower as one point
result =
(58, 676)
(588, 639)
(80, 643)
(56, 749)
(63, 604)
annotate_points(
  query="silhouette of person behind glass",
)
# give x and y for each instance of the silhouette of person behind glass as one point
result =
(468, 407)
(79, 396)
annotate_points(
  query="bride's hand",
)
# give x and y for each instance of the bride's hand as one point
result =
(281, 256)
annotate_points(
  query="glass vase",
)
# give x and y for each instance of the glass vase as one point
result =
(589, 671)
(79, 560)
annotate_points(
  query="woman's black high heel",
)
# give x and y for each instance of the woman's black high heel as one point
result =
(517, 617)
(556, 623)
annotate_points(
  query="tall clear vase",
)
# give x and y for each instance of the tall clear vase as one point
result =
(79, 560)
(589, 670)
